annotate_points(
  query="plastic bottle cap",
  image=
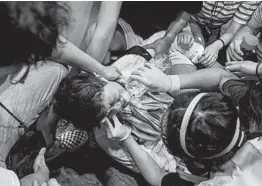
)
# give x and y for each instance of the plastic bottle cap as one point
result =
(249, 42)
(185, 16)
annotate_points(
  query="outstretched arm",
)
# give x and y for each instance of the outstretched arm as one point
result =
(105, 29)
(163, 44)
(156, 80)
(147, 166)
(69, 54)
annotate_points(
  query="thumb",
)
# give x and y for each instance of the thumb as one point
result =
(116, 121)
(109, 128)
(20, 75)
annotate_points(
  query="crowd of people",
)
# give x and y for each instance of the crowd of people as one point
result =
(181, 107)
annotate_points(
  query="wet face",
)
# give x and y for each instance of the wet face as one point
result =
(115, 96)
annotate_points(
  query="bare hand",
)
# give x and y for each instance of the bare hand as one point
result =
(185, 40)
(39, 164)
(243, 69)
(152, 77)
(111, 73)
(210, 54)
(234, 52)
(159, 46)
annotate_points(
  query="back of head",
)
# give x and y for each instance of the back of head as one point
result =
(211, 126)
(29, 30)
(79, 99)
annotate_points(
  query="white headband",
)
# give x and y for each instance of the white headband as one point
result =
(185, 123)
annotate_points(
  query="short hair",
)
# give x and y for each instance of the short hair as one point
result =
(211, 125)
(79, 99)
(29, 30)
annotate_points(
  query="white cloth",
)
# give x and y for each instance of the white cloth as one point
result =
(246, 170)
(8, 178)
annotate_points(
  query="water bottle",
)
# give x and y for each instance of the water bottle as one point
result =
(248, 44)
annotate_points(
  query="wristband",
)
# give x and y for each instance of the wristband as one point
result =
(175, 83)
(223, 43)
(127, 134)
(260, 80)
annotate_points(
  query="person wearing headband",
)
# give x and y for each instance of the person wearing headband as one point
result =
(204, 130)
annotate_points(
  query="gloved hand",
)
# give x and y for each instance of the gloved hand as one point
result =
(116, 130)
(153, 78)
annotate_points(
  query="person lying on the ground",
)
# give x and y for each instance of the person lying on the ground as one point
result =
(253, 27)
(205, 130)
(40, 177)
(85, 93)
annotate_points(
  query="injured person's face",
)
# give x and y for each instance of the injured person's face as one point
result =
(115, 97)
(85, 99)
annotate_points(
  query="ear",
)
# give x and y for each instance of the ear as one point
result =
(115, 109)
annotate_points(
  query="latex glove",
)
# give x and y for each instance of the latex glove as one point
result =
(210, 54)
(159, 46)
(245, 70)
(234, 52)
(153, 78)
(185, 40)
(111, 73)
(39, 164)
(51, 182)
(116, 130)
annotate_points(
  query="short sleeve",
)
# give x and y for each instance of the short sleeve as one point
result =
(235, 89)
(245, 11)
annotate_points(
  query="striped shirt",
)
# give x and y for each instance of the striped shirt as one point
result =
(217, 13)
(256, 19)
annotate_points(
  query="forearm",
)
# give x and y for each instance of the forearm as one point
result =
(69, 54)
(244, 31)
(105, 29)
(206, 79)
(145, 163)
(197, 33)
(233, 28)
(174, 28)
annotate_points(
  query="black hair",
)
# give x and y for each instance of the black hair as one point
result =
(211, 125)
(79, 99)
(29, 30)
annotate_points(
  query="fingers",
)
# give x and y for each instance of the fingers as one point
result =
(53, 182)
(139, 79)
(234, 52)
(44, 184)
(35, 183)
(234, 67)
(118, 71)
(228, 54)
(42, 152)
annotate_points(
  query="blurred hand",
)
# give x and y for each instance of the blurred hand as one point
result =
(159, 46)
(234, 52)
(116, 130)
(245, 70)
(152, 77)
(210, 54)
(185, 40)
(51, 182)
(39, 164)
(111, 73)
